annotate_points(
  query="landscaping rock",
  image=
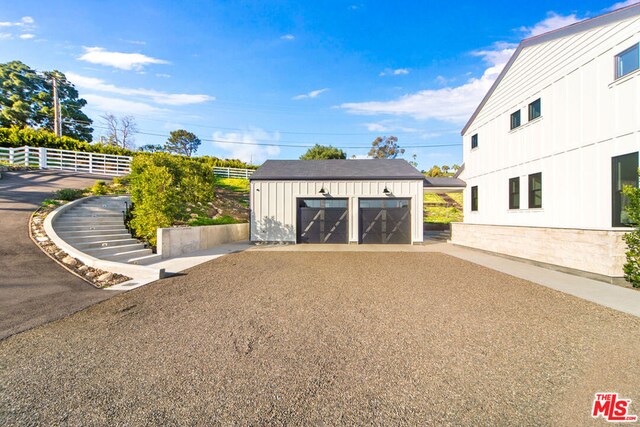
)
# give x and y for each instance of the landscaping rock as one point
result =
(70, 261)
(105, 277)
(83, 268)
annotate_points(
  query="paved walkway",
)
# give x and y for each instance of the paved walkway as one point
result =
(617, 297)
(34, 289)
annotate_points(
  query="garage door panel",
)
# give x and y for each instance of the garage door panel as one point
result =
(385, 221)
(323, 221)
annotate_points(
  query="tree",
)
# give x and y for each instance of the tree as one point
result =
(26, 100)
(414, 162)
(632, 239)
(385, 148)
(434, 171)
(456, 167)
(152, 148)
(182, 142)
(120, 131)
(323, 152)
(445, 169)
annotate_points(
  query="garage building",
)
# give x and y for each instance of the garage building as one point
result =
(337, 201)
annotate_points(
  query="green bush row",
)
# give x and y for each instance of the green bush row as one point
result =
(19, 137)
(166, 189)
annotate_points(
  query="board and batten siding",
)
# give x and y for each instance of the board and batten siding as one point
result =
(274, 207)
(588, 117)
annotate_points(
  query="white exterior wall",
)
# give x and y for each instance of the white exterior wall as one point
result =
(274, 204)
(587, 118)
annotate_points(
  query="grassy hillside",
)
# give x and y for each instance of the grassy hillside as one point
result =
(443, 214)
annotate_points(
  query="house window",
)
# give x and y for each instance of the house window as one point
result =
(624, 172)
(514, 193)
(535, 110)
(474, 141)
(474, 198)
(515, 119)
(535, 190)
(628, 61)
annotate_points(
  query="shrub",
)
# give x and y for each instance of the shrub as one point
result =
(68, 194)
(166, 189)
(99, 188)
(632, 239)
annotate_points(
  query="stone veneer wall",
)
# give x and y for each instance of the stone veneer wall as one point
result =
(595, 251)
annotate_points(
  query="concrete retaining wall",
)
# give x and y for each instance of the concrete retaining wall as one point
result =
(184, 240)
(601, 252)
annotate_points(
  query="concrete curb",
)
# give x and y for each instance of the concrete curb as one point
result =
(131, 270)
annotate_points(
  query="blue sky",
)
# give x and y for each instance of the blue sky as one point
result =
(281, 73)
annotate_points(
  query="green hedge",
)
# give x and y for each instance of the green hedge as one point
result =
(19, 137)
(166, 189)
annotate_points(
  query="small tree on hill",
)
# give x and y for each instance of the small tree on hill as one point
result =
(323, 152)
(182, 142)
(385, 148)
(152, 148)
(120, 131)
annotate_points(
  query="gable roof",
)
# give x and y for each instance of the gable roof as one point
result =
(353, 169)
(587, 24)
(443, 181)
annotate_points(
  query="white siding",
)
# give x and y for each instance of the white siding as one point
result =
(274, 204)
(587, 118)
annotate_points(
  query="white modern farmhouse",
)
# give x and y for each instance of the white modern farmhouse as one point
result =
(336, 201)
(551, 145)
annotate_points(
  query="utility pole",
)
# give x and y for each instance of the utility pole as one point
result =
(57, 120)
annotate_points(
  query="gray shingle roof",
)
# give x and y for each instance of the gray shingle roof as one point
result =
(444, 181)
(352, 169)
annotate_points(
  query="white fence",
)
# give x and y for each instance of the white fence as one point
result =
(232, 172)
(76, 161)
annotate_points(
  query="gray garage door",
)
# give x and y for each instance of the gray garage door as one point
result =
(385, 221)
(322, 221)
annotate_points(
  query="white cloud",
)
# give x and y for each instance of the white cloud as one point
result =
(454, 104)
(158, 97)
(121, 60)
(119, 106)
(27, 36)
(246, 152)
(163, 75)
(621, 4)
(312, 94)
(553, 21)
(288, 37)
(389, 126)
(396, 72)
(5, 36)
(24, 21)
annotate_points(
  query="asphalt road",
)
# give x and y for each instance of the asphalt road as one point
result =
(33, 289)
(293, 338)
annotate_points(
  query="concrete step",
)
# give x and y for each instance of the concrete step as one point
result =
(87, 222)
(96, 237)
(103, 227)
(105, 243)
(112, 250)
(145, 260)
(80, 215)
(126, 256)
(82, 232)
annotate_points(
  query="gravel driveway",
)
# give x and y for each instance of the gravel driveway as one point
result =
(323, 339)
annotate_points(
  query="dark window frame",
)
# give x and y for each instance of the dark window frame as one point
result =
(474, 198)
(616, 59)
(532, 110)
(514, 193)
(535, 191)
(512, 123)
(474, 141)
(618, 200)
